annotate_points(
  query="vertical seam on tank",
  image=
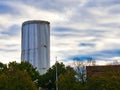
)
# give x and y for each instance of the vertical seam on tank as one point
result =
(49, 45)
(28, 44)
(34, 59)
(43, 45)
(22, 45)
(38, 46)
(46, 43)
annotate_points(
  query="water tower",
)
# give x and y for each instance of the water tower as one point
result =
(36, 44)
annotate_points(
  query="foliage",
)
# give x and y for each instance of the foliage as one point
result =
(68, 81)
(23, 76)
(3, 67)
(48, 80)
(108, 79)
(103, 83)
(26, 67)
(14, 78)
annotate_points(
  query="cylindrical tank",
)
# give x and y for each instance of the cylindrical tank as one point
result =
(36, 44)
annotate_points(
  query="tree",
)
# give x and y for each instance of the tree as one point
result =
(91, 61)
(3, 67)
(48, 80)
(17, 80)
(103, 83)
(26, 67)
(80, 69)
(13, 78)
(68, 81)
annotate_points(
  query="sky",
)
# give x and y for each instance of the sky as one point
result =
(79, 28)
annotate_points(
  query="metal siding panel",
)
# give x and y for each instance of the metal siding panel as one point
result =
(42, 47)
(47, 35)
(45, 48)
(22, 47)
(31, 36)
(26, 42)
(36, 46)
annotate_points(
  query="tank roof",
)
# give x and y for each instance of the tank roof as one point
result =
(35, 21)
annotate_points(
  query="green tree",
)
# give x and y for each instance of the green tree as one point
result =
(68, 81)
(26, 67)
(3, 67)
(103, 83)
(12, 78)
(48, 80)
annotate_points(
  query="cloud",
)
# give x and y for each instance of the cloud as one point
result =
(102, 3)
(105, 55)
(52, 5)
(8, 50)
(78, 27)
(64, 29)
(11, 45)
(114, 9)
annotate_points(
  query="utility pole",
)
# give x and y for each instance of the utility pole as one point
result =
(56, 75)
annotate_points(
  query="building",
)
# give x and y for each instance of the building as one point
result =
(103, 71)
(36, 44)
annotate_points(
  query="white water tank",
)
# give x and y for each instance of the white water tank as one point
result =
(36, 44)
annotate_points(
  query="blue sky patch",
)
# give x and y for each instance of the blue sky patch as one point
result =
(12, 31)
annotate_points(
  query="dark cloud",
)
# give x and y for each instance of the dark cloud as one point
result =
(86, 44)
(79, 58)
(81, 15)
(94, 32)
(64, 32)
(64, 29)
(112, 25)
(8, 50)
(106, 54)
(81, 36)
(4, 37)
(11, 45)
(111, 52)
(63, 35)
(114, 10)
(98, 55)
